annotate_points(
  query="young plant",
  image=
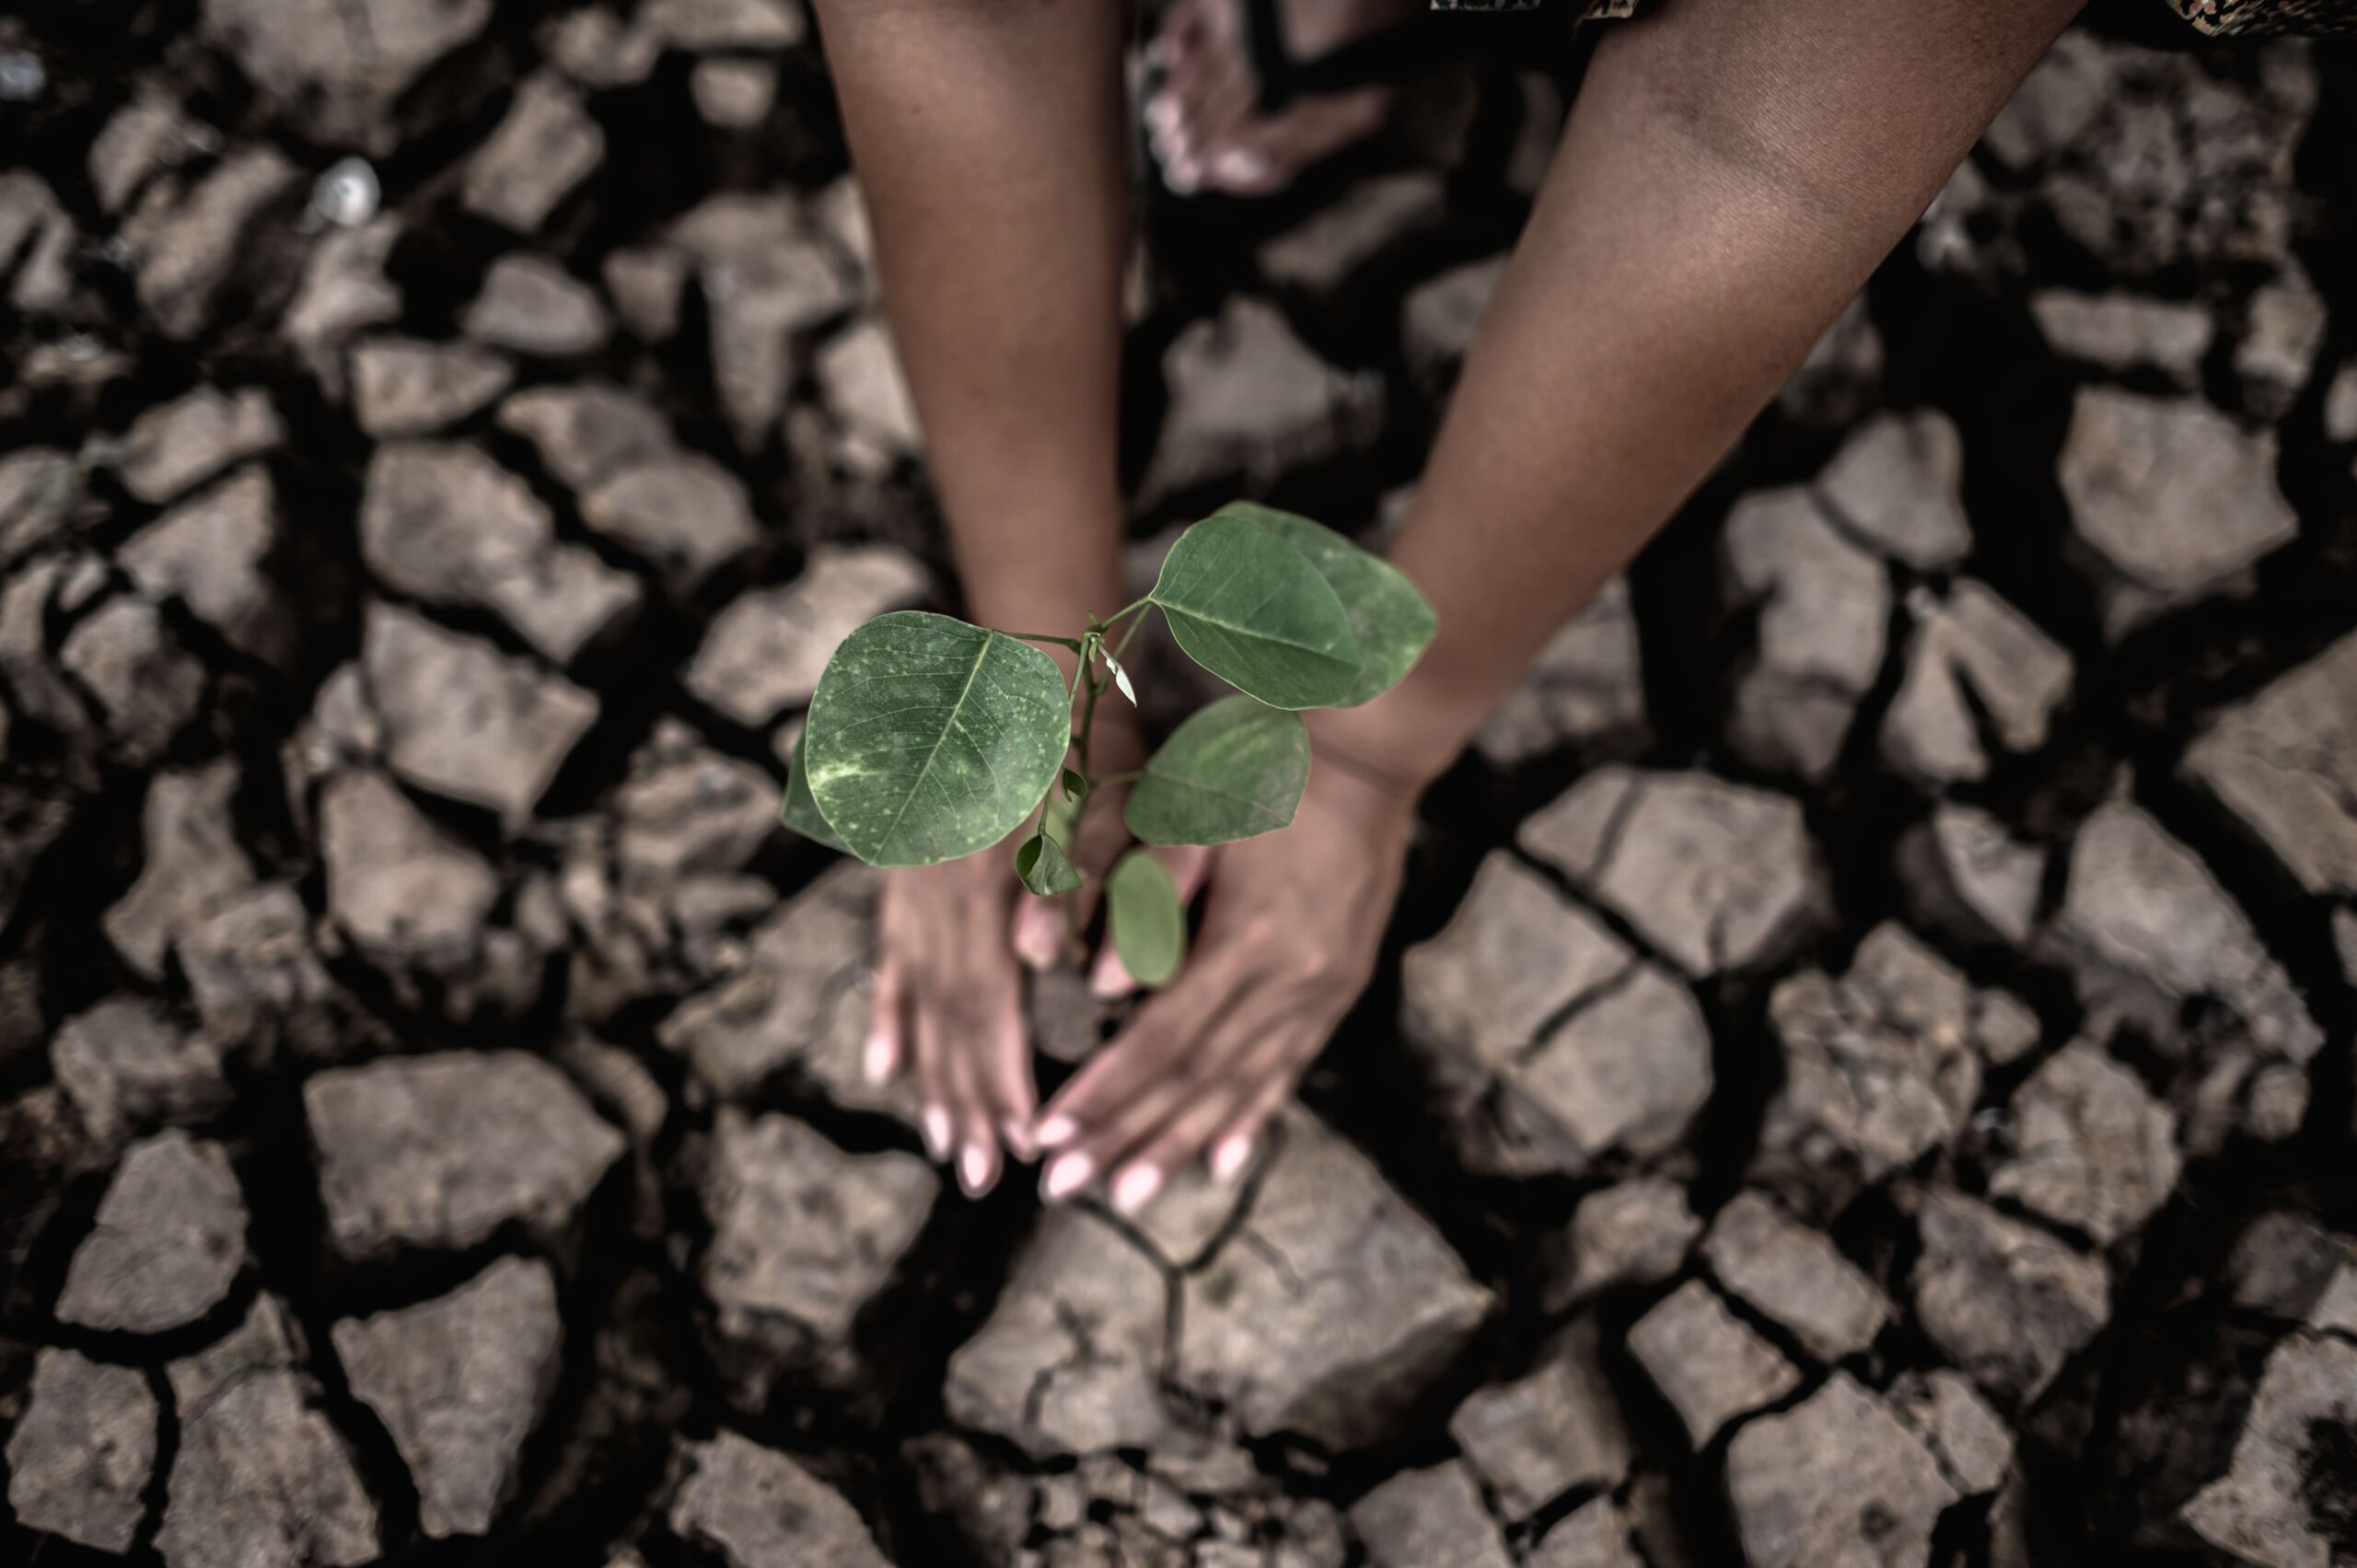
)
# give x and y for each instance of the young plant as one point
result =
(929, 739)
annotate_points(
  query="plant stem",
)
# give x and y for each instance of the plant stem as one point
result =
(1072, 643)
(1132, 776)
(1093, 685)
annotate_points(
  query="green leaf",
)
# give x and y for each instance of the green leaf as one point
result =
(1044, 867)
(1075, 788)
(1233, 770)
(929, 739)
(801, 812)
(1149, 928)
(1251, 609)
(1389, 619)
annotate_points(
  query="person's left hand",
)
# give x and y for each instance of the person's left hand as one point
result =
(1289, 940)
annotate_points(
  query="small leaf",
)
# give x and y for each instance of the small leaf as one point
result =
(929, 739)
(1391, 622)
(1251, 609)
(801, 812)
(1233, 770)
(1075, 788)
(1149, 928)
(1044, 867)
(1121, 679)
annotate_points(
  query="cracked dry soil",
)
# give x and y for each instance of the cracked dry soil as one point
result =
(1862, 1074)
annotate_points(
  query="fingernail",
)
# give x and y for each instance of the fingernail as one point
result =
(1162, 115)
(1066, 1175)
(1228, 1159)
(936, 1131)
(1183, 176)
(876, 1058)
(1054, 1131)
(1240, 166)
(1134, 1188)
(974, 1169)
(1018, 1138)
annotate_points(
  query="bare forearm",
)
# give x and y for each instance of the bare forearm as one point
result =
(988, 140)
(1730, 175)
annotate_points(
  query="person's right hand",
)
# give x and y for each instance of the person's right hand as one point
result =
(947, 1003)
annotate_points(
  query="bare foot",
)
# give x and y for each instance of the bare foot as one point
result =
(1205, 123)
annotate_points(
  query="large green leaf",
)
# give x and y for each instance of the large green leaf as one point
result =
(929, 739)
(1233, 770)
(1149, 928)
(1389, 619)
(801, 812)
(1251, 609)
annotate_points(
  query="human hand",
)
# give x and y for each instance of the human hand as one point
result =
(947, 1003)
(1288, 942)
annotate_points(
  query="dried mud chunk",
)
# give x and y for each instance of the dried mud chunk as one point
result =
(533, 306)
(1440, 319)
(208, 554)
(343, 290)
(405, 387)
(1881, 1067)
(123, 1063)
(1835, 1482)
(335, 67)
(2093, 1149)
(1333, 1305)
(1795, 1275)
(2174, 501)
(1250, 402)
(1824, 617)
(1717, 876)
(759, 1509)
(2286, 763)
(685, 515)
(260, 1479)
(766, 652)
(1968, 876)
(2282, 330)
(81, 1455)
(1595, 1535)
(2006, 1301)
(1706, 1363)
(170, 1240)
(441, 1151)
(804, 1235)
(687, 810)
(1974, 1447)
(1971, 655)
(460, 1382)
(462, 719)
(766, 275)
(1429, 1519)
(588, 431)
(1897, 481)
(404, 888)
(252, 968)
(40, 488)
(2285, 1503)
(876, 416)
(1556, 1428)
(147, 685)
(185, 247)
(448, 524)
(1069, 1360)
(1632, 1233)
(1375, 216)
(1586, 688)
(2124, 332)
(171, 449)
(545, 147)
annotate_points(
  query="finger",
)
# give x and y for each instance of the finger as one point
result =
(1143, 1155)
(1233, 1144)
(1008, 1094)
(1189, 865)
(934, 1095)
(978, 1162)
(883, 1054)
(1210, 1058)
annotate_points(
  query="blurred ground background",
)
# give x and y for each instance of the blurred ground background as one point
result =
(1861, 1073)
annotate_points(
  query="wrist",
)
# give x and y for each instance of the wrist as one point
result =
(1387, 743)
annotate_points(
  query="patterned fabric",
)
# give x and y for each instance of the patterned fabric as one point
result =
(2210, 16)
